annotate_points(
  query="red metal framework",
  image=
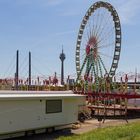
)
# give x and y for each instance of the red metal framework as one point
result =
(132, 95)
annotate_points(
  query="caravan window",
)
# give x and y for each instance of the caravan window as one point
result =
(53, 106)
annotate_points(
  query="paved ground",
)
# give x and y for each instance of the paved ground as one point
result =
(82, 128)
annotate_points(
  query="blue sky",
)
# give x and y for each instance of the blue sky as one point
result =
(43, 26)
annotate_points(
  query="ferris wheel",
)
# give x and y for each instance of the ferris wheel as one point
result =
(98, 43)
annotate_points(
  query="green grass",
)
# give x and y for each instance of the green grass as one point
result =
(124, 132)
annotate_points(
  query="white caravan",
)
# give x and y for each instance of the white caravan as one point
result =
(34, 111)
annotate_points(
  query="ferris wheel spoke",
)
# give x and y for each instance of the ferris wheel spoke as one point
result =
(107, 32)
(105, 45)
(81, 49)
(83, 57)
(104, 26)
(88, 34)
(106, 36)
(99, 28)
(96, 24)
(105, 55)
(85, 39)
(90, 28)
(107, 27)
(93, 27)
(84, 43)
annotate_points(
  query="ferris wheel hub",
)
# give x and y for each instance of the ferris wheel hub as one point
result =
(92, 47)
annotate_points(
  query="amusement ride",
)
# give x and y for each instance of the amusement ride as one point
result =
(98, 44)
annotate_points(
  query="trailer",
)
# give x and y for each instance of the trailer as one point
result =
(23, 112)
